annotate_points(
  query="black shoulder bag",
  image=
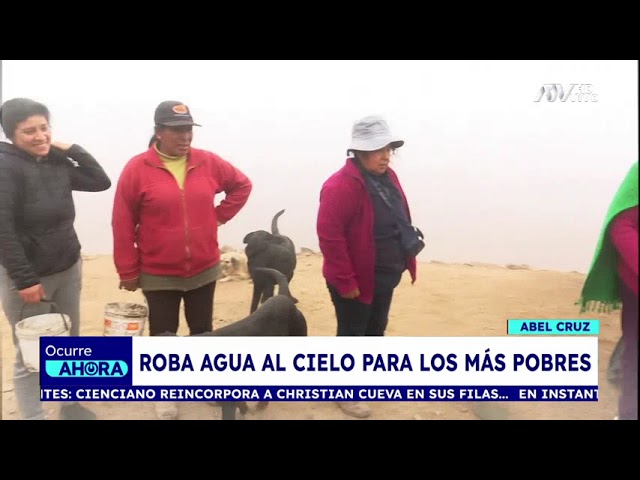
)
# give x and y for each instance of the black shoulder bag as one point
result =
(411, 238)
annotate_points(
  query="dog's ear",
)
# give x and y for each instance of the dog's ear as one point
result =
(235, 262)
(260, 236)
(248, 236)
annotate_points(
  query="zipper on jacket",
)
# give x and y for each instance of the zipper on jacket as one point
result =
(187, 249)
(186, 219)
(186, 229)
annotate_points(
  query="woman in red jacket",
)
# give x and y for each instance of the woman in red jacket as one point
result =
(165, 223)
(365, 235)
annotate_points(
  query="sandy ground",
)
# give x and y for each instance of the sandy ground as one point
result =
(448, 300)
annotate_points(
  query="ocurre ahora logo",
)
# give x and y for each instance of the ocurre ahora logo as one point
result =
(86, 368)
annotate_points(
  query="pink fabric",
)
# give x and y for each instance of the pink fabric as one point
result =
(624, 235)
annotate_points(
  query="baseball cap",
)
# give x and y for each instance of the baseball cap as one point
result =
(171, 113)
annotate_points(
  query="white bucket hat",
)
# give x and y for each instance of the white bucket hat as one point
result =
(372, 133)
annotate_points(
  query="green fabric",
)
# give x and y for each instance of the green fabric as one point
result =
(600, 289)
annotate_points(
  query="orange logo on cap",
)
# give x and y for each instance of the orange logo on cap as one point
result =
(180, 109)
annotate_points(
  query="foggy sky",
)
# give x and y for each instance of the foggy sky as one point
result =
(490, 174)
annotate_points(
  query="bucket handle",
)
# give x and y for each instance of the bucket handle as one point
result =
(53, 308)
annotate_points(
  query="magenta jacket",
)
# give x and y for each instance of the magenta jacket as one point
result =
(624, 234)
(345, 232)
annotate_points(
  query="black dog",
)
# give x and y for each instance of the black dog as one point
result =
(286, 241)
(278, 316)
(268, 250)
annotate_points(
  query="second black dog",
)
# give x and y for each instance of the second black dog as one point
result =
(268, 250)
(278, 316)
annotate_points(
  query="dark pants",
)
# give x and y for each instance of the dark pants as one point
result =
(164, 309)
(628, 403)
(614, 369)
(357, 319)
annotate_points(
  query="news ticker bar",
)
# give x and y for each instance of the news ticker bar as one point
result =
(553, 327)
(403, 393)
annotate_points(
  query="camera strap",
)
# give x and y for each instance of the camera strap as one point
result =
(383, 193)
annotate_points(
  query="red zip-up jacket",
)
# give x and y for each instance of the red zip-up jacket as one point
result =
(345, 232)
(161, 229)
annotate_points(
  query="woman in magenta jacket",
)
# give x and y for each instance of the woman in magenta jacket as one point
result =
(365, 235)
(624, 236)
(612, 283)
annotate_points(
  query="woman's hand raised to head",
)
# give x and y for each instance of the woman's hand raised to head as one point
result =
(62, 146)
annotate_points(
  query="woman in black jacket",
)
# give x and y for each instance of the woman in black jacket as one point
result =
(39, 249)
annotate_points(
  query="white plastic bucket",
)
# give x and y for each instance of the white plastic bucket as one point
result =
(30, 329)
(124, 319)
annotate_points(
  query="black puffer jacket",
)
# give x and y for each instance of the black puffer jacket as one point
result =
(37, 236)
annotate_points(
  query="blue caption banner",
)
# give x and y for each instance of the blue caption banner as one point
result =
(324, 393)
(553, 327)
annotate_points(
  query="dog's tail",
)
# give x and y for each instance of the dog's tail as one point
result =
(274, 223)
(281, 280)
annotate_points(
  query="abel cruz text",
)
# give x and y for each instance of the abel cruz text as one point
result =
(329, 362)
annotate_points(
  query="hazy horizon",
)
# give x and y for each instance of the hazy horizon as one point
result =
(490, 174)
